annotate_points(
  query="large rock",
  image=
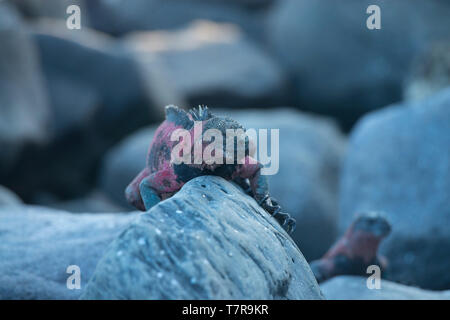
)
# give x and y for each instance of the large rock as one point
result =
(341, 67)
(311, 149)
(24, 112)
(38, 244)
(399, 162)
(209, 241)
(355, 288)
(214, 64)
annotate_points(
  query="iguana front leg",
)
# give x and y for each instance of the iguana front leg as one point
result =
(132, 192)
(251, 169)
(156, 185)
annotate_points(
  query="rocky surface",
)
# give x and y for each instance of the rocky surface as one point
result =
(342, 68)
(430, 72)
(355, 288)
(7, 197)
(37, 245)
(399, 162)
(24, 111)
(214, 64)
(209, 241)
(311, 149)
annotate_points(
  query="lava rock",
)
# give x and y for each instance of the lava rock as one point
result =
(24, 111)
(208, 241)
(340, 67)
(214, 64)
(37, 245)
(7, 197)
(355, 288)
(399, 162)
(311, 150)
(430, 73)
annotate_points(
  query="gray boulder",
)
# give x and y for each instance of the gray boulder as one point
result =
(398, 162)
(37, 245)
(209, 241)
(214, 64)
(24, 112)
(7, 197)
(311, 149)
(342, 68)
(355, 288)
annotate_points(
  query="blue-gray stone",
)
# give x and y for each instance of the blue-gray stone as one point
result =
(208, 241)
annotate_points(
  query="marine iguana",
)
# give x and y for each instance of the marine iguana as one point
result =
(356, 250)
(162, 178)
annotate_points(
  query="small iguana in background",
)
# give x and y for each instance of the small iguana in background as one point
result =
(161, 178)
(355, 250)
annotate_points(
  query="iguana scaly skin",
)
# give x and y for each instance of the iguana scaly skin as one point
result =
(161, 178)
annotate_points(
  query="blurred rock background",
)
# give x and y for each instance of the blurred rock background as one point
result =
(78, 107)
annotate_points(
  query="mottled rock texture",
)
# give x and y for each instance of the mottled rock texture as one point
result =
(209, 241)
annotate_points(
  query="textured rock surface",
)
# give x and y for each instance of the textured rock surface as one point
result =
(214, 64)
(355, 288)
(7, 197)
(399, 162)
(311, 149)
(24, 112)
(38, 244)
(341, 67)
(209, 241)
